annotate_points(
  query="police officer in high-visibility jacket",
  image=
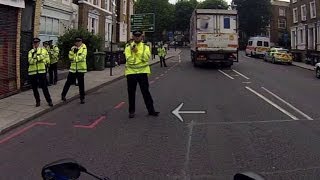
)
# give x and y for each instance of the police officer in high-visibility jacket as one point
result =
(78, 68)
(137, 70)
(38, 58)
(162, 55)
(53, 51)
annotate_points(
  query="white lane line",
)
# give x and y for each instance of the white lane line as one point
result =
(240, 74)
(247, 122)
(226, 74)
(179, 59)
(288, 104)
(272, 103)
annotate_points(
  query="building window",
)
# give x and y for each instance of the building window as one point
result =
(311, 38)
(282, 12)
(293, 39)
(301, 36)
(295, 15)
(95, 2)
(266, 44)
(282, 23)
(294, 1)
(93, 23)
(304, 12)
(226, 23)
(313, 13)
(124, 7)
(49, 26)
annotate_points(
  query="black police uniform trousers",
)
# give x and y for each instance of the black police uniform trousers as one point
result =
(132, 81)
(53, 73)
(70, 81)
(40, 80)
(163, 61)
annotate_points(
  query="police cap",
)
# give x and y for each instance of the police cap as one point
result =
(36, 40)
(137, 33)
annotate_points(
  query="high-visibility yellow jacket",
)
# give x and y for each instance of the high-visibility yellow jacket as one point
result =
(53, 54)
(78, 59)
(38, 60)
(162, 52)
(137, 63)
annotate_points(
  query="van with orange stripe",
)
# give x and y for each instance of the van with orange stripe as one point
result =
(257, 46)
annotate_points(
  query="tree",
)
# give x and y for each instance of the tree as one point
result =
(213, 4)
(183, 12)
(254, 16)
(164, 14)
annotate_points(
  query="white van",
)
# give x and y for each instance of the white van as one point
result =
(258, 46)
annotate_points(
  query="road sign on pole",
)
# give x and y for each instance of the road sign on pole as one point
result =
(144, 22)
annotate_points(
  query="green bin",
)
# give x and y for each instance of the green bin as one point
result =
(99, 61)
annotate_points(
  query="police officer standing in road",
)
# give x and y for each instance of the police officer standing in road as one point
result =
(137, 70)
(162, 55)
(53, 51)
(77, 56)
(38, 58)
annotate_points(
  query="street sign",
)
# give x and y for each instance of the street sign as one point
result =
(144, 22)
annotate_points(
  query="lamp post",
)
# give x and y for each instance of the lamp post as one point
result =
(111, 42)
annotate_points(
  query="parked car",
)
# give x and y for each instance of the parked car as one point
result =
(278, 55)
(317, 70)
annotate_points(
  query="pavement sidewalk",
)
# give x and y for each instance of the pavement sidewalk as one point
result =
(20, 108)
(303, 65)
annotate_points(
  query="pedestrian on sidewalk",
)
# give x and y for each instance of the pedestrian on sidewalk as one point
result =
(38, 58)
(53, 51)
(137, 70)
(162, 55)
(78, 68)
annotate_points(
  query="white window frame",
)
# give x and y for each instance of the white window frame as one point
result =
(107, 4)
(96, 23)
(280, 21)
(124, 7)
(282, 12)
(92, 2)
(313, 10)
(295, 15)
(303, 13)
(47, 31)
(294, 1)
(311, 33)
(301, 36)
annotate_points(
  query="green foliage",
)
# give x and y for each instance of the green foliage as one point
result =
(213, 4)
(164, 14)
(183, 12)
(254, 16)
(66, 41)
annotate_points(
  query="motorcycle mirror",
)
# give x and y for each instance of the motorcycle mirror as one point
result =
(62, 169)
(248, 176)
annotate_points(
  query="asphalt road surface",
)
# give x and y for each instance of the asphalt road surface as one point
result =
(261, 117)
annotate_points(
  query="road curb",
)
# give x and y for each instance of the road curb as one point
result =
(56, 106)
(302, 67)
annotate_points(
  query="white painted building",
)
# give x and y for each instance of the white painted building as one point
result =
(57, 16)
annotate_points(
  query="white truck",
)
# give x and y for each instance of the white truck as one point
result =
(214, 37)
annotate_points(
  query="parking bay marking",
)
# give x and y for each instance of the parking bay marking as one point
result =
(288, 104)
(272, 103)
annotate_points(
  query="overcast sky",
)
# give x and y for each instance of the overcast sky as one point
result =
(229, 1)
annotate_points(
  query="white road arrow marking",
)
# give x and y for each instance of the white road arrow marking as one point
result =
(177, 112)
